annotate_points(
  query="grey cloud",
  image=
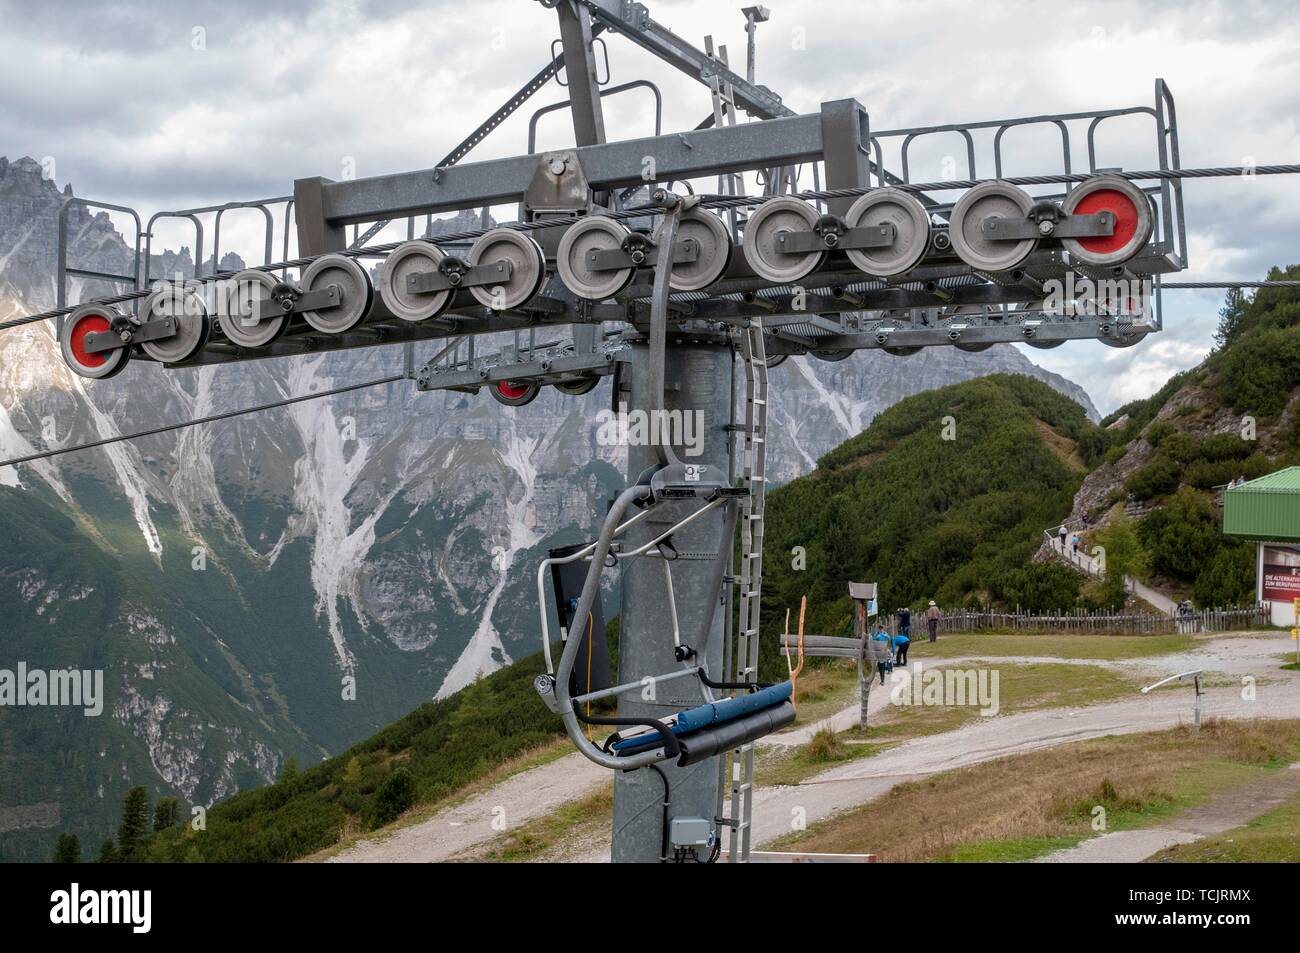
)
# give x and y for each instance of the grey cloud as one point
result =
(113, 91)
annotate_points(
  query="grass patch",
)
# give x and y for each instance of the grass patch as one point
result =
(1270, 838)
(1022, 806)
(355, 833)
(1010, 850)
(535, 839)
(826, 749)
(1020, 688)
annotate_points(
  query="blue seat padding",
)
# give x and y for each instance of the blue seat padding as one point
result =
(713, 713)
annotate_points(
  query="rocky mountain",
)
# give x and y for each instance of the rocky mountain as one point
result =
(285, 583)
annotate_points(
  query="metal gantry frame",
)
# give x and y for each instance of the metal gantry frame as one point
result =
(657, 327)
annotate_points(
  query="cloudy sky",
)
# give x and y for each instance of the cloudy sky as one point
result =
(164, 105)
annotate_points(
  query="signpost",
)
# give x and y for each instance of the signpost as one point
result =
(1197, 682)
(1295, 629)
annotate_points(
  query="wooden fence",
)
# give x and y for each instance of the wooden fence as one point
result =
(1081, 621)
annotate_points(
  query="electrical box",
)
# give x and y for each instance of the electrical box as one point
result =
(689, 832)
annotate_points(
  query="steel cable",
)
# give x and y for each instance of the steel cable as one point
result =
(707, 201)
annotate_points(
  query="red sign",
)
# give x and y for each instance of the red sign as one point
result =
(1281, 583)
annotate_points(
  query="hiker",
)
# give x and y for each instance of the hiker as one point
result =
(932, 615)
(883, 666)
(1075, 542)
(901, 642)
(905, 622)
(1062, 532)
(1085, 522)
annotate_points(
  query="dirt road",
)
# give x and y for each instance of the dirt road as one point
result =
(542, 790)
(515, 800)
(1277, 695)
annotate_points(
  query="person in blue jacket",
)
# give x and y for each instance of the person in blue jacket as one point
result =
(883, 666)
(901, 642)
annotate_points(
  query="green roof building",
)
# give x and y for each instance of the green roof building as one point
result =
(1267, 512)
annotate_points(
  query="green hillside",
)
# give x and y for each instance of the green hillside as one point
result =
(943, 497)
(423, 758)
(68, 603)
(1233, 416)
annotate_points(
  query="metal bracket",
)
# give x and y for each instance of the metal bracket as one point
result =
(1099, 225)
(612, 259)
(559, 184)
(872, 236)
(101, 341)
(318, 298)
(686, 481)
(457, 273)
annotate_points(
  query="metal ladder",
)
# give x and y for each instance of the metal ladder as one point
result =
(724, 114)
(754, 473)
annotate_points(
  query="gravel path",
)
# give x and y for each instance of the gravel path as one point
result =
(453, 830)
(879, 699)
(1277, 695)
(541, 790)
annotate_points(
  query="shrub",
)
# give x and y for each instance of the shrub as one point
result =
(1182, 537)
(1157, 432)
(1183, 447)
(395, 795)
(1040, 588)
(1230, 577)
(1155, 479)
(1257, 373)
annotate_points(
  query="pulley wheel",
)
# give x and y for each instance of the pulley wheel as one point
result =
(1128, 321)
(1134, 220)
(192, 325)
(967, 310)
(902, 351)
(91, 319)
(587, 235)
(1124, 335)
(579, 387)
(1032, 340)
(514, 395)
(911, 232)
(763, 231)
(713, 239)
(832, 356)
(356, 295)
(528, 263)
(252, 318)
(412, 258)
(966, 226)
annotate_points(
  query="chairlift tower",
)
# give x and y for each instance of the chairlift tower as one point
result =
(618, 267)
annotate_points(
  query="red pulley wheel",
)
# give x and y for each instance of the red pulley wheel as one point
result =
(1133, 220)
(95, 365)
(514, 395)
